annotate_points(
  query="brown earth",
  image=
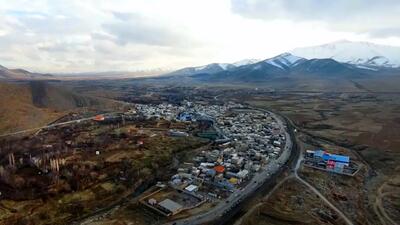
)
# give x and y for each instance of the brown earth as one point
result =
(292, 203)
(36, 103)
(17, 110)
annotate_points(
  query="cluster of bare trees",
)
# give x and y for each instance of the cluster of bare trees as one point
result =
(37, 158)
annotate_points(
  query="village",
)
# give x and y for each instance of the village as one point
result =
(225, 153)
(246, 140)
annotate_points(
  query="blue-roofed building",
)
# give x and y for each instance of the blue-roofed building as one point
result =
(333, 157)
(184, 116)
(319, 153)
(320, 159)
(339, 158)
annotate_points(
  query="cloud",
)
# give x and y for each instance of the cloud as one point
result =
(27, 14)
(138, 29)
(385, 32)
(96, 35)
(361, 16)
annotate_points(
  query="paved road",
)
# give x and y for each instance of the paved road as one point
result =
(238, 195)
(44, 127)
(52, 125)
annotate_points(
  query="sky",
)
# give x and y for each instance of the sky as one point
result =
(133, 35)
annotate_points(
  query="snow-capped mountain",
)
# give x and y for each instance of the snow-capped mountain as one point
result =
(206, 69)
(287, 65)
(212, 68)
(364, 54)
(334, 59)
(245, 62)
(284, 61)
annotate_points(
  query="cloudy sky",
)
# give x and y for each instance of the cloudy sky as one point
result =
(105, 35)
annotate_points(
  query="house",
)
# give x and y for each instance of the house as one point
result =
(152, 201)
(219, 169)
(192, 188)
(243, 174)
(170, 206)
(223, 183)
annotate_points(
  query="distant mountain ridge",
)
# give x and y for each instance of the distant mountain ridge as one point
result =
(342, 59)
(212, 68)
(20, 74)
(286, 65)
(358, 53)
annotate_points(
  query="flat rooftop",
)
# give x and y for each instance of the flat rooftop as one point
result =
(170, 205)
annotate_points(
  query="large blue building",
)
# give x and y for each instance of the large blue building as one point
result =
(342, 159)
(184, 116)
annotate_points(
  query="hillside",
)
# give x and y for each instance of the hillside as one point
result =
(34, 104)
(20, 74)
(58, 98)
(17, 110)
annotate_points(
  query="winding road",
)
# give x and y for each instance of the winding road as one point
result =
(327, 202)
(379, 210)
(313, 189)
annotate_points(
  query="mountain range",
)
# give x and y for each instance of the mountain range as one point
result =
(213, 67)
(343, 59)
(357, 53)
(289, 66)
(336, 59)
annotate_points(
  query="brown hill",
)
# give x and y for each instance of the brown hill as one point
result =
(17, 111)
(20, 74)
(36, 103)
(59, 98)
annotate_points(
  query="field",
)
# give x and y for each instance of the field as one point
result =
(292, 203)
